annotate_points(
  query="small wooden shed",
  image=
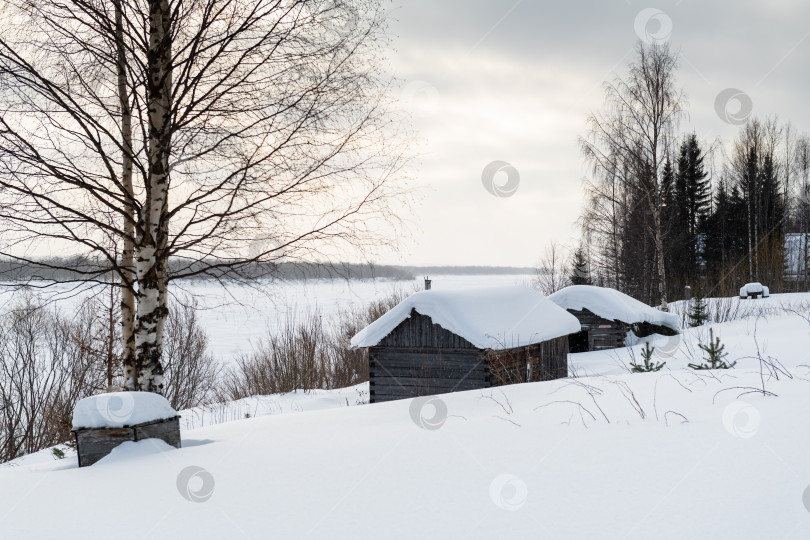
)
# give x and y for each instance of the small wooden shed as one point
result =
(606, 317)
(104, 421)
(437, 341)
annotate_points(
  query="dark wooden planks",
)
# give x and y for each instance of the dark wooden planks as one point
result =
(419, 382)
(168, 431)
(398, 373)
(420, 358)
(601, 333)
(419, 331)
(92, 444)
(645, 329)
(539, 362)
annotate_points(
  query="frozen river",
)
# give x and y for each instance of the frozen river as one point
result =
(235, 316)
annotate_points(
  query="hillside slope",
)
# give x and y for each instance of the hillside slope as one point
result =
(674, 454)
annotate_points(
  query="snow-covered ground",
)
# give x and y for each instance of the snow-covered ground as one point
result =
(605, 454)
(733, 308)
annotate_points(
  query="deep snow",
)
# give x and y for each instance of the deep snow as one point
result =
(607, 454)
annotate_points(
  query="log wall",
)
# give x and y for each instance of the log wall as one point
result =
(421, 358)
(602, 333)
(92, 444)
(399, 373)
(539, 362)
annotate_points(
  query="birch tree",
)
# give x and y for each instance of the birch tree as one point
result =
(637, 125)
(213, 133)
(128, 218)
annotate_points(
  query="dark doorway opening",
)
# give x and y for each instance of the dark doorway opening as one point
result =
(578, 342)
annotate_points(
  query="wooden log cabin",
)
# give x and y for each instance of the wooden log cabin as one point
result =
(607, 316)
(437, 342)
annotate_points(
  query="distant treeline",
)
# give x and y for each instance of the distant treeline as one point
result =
(665, 211)
(74, 269)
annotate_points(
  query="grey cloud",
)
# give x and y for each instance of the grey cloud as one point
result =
(519, 90)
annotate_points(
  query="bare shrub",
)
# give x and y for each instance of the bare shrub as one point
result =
(191, 373)
(286, 360)
(47, 363)
(306, 354)
(350, 366)
(552, 273)
(347, 366)
(725, 309)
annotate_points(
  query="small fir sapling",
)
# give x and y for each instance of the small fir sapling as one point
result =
(698, 310)
(716, 354)
(649, 365)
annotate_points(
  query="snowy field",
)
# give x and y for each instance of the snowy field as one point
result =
(603, 454)
(237, 316)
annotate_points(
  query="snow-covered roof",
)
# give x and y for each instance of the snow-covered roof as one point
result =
(489, 318)
(121, 409)
(613, 305)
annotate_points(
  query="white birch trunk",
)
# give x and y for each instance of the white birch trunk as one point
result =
(127, 256)
(151, 312)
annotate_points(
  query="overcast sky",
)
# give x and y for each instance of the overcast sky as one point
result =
(514, 80)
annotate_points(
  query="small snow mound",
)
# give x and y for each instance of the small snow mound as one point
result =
(121, 409)
(613, 305)
(132, 450)
(489, 318)
(754, 288)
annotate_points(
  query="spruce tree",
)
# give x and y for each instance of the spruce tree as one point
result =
(715, 229)
(772, 208)
(698, 310)
(716, 354)
(750, 191)
(697, 186)
(693, 197)
(649, 365)
(679, 226)
(672, 240)
(771, 223)
(738, 228)
(668, 193)
(580, 273)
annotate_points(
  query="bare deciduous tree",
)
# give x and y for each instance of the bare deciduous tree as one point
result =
(631, 137)
(553, 269)
(215, 133)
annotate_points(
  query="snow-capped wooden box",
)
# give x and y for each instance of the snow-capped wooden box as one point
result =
(100, 423)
